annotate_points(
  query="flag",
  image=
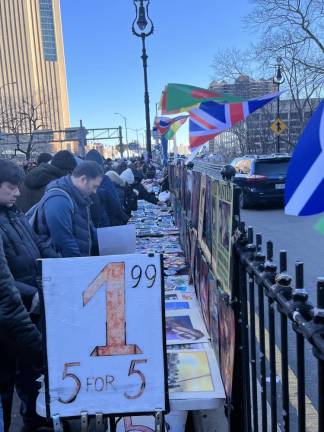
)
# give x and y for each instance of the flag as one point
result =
(320, 226)
(180, 97)
(212, 118)
(305, 177)
(168, 127)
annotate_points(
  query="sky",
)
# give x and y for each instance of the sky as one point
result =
(103, 57)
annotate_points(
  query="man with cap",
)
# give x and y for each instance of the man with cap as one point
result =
(34, 185)
(107, 204)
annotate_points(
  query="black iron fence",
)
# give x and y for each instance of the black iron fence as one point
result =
(274, 321)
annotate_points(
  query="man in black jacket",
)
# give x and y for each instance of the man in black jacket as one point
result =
(19, 337)
(22, 248)
(33, 187)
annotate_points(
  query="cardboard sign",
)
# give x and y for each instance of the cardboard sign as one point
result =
(105, 335)
(117, 240)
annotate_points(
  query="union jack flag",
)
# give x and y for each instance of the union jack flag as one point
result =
(212, 118)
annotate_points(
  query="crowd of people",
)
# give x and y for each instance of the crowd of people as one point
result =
(51, 209)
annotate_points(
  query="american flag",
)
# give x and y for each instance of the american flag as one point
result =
(212, 118)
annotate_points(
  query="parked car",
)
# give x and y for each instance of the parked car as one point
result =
(261, 178)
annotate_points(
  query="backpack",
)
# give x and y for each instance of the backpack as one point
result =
(33, 213)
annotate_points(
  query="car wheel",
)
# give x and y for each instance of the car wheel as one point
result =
(244, 202)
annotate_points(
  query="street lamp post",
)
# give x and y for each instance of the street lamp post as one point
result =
(136, 130)
(278, 79)
(143, 27)
(126, 135)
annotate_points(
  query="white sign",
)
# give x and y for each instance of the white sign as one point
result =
(104, 334)
(117, 240)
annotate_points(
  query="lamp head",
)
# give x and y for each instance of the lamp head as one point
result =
(142, 25)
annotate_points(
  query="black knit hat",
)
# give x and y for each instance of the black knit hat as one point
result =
(64, 160)
(95, 156)
(44, 158)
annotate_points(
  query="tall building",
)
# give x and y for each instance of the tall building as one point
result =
(244, 87)
(32, 65)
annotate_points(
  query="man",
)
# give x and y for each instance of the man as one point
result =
(20, 339)
(109, 208)
(64, 215)
(36, 180)
(22, 246)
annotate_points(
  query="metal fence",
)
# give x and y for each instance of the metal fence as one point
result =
(274, 322)
(263, 290)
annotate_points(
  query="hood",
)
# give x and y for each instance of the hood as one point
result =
(128, 176)
(115, 178)
(42, 175)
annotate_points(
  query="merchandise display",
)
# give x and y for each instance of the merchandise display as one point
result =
(194, 377)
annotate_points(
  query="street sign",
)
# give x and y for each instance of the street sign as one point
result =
(105, 337)
(278, 126)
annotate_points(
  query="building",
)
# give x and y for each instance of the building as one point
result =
(32, 65)
(244, 87)
(255, 135)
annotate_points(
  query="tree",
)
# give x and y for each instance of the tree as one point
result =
(292, 24)
(22, 119)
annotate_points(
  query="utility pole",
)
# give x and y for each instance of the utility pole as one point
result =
(121, 145)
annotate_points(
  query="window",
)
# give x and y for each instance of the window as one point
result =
(243, 166)
(48, 30)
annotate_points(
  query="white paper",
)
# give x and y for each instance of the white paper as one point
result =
(117, 240)
(104, 334)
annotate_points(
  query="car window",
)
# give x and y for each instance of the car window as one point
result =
(271, 168)
(243, 166)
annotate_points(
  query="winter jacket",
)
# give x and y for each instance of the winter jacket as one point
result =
(36, 180)
(144, 194)
(111, 204)
(22, 247)
(70, 228)
(18, 335)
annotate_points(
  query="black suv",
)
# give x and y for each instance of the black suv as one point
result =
(261, 178)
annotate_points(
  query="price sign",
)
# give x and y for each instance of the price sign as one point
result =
(104, 335)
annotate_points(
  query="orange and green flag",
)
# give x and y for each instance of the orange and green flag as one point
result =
(181, 97)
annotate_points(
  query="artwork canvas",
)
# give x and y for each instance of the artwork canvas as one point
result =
(184, 326)
(189, 372)
(226, 324)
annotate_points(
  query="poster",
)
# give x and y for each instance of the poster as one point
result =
(104, 334)
(207, 225)
(214, 233)
(203, 290)
(226, 323)
(202, 201)
(184, 326)
(189, 372)
(194, 376)
(213, 314)
(195, 199)
(224, 216)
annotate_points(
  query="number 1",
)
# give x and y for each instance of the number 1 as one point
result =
(113, 277)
